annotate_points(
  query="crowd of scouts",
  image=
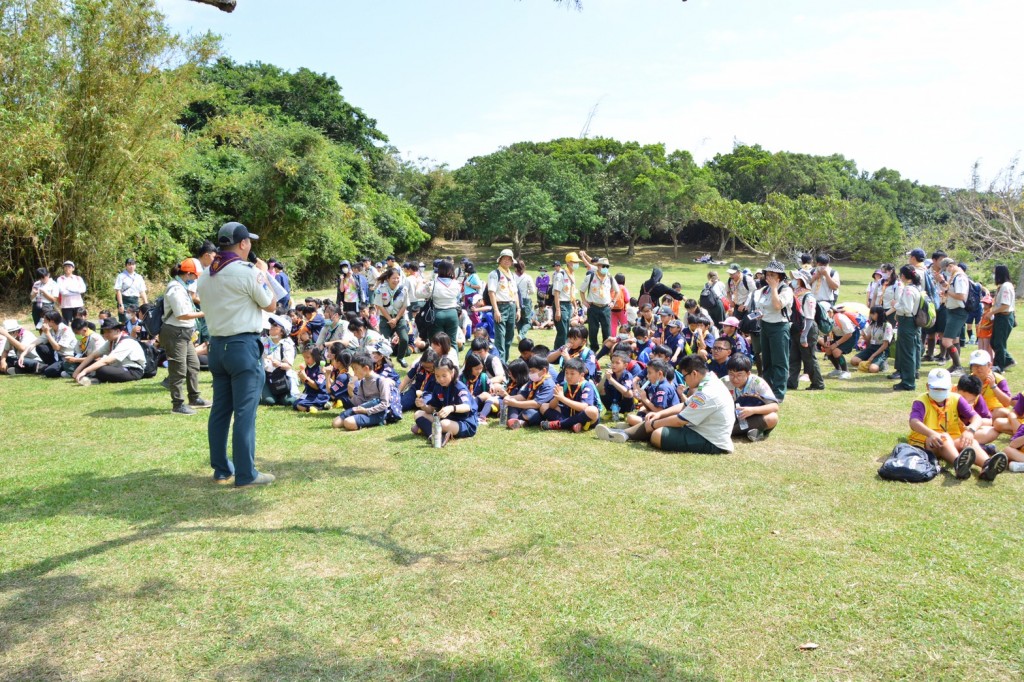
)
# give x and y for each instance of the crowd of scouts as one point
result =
(657, 367)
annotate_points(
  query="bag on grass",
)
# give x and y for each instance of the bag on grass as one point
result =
(909, 464)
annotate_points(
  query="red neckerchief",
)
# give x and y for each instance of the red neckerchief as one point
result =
(221, 260)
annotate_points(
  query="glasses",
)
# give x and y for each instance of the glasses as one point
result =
(719, 348)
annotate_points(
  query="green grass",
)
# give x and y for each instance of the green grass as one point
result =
(509, 556)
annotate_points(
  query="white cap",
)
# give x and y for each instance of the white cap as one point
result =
(940, 379)
(282, 322)
(11, 326)
(980, 357)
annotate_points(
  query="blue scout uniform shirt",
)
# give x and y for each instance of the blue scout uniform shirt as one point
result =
(583, 392)
(338, 390)
(315, 373)
(542, 391)
(479, 386)
(315, 325)
(582, 353)
(662, 395)
(454, 393)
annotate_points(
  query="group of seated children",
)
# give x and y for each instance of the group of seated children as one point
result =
(960, 425)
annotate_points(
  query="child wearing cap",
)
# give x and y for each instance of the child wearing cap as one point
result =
(943, 423)
(995, 391)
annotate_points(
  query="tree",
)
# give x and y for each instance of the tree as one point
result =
(991, 219)
(90, 93)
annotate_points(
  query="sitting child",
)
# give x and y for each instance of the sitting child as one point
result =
(617, 385)
(527, 407)
(477, 381)
(340, 387)
(757, 408)
(575, 347)
(721, 351)
(840, 342)
(314, 383)
(419, 379)
(451, 401)
(878, 334)
(944, 424)
(381, 354)
(518, 376)
(574, 405)
(970, 388)
(995, 392)
(371, 399)
(657, 394)
(281, 384)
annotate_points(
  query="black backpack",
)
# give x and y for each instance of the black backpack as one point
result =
(149, 371)
(973, 303)
(909, 464)
(153, 321)
(709, 299)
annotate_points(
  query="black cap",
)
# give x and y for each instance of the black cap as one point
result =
(390, 258)
(232, 233)
(111, 323)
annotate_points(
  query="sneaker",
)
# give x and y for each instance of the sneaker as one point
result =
(755, 436)
(956, 372)
(995, 465)
(617, 436)
(11, 371)
(964, 462)
(200, 404)
(65, 375)
(902, 387)
(602, 432)
(261, 479)
(551, 426)
(514, 424)
(416, 430)
(182, 409)
(86, 381)
(834, 374)
(1016, 467)
(220, 479)
(844, 375)
(989, 449)
(403, 363)
(895, 376)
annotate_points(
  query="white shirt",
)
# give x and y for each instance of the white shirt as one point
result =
(565, 285)
(599, 291)
(764, 304)
(130, 284)
(445, 293)
(960, 285)
(50, 288)
(27, 337)
(909, 301)
(127, 353)
(503, 285)
(1005, 295)
(65, 338)
(890, 295)
(877, 334)
(710, 412)
(178, 302)
(822, 291)
(843, 325)
(71, 290)
(527, 289)
(233, 299)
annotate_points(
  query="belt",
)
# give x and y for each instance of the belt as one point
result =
(598, 305)
(503, 304)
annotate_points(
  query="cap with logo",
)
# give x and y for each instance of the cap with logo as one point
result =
(232, 233)
(980, 357)
(733, 268)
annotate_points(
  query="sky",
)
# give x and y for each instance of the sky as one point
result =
(926, 87)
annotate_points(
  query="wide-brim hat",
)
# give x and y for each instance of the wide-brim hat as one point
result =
(506, 253)
(111, 323)
(11, 326)
(603, 261)
(776, 267)
(282, 322)
(801, 275)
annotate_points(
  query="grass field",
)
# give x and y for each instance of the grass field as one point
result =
(508, 556)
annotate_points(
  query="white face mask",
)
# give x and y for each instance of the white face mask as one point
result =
(939, 395)
(535, 377)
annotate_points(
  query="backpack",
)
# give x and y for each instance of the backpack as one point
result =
(929, 285)
(709, 299)
(821, 320)
(149, 371)
(973, 303)
(925, 316)
(909, 464)
(153, 321)
(395, 406)
(644, 299)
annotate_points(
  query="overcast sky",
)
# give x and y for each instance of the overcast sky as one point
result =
(923, 86)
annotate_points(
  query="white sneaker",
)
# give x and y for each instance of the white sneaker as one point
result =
(65, 375)
(755, 436)
(1016, 467)
(86, 381)
(602, 432)
(844, 375)
(834, 374)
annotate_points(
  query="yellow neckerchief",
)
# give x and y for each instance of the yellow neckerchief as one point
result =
(535, 385)
(571, 395)
(86, 333)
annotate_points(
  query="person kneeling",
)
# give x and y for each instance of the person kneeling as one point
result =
(702, 423)
(575, 403)
(450, 400)
(937, 420)
(371, 399)
(757, 408)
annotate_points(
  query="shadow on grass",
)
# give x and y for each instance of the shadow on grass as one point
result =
(578, 656)
(127, 412)
(42, 602)
(148, 387)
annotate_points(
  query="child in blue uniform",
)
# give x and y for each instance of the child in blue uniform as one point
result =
(314, 395)
(528, 406)
(658, 394)
(419, 379)
(574, 405)
(478, 383)
(575, 347)
(451, 401)
(338, 388)
(618, 385)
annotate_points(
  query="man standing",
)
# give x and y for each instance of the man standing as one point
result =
(564, 286)
(955, 300)
(824, 280)
(129, 289)
(740, 288)
(504, 295)
(284, 302)
(234, 293)
(599, 289)
(71, 289)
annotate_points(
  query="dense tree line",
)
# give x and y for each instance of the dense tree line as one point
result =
(123, 139)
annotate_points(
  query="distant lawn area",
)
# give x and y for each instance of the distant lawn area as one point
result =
(521, 556)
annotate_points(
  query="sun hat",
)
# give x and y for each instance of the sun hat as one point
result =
(980, 357)
(11, 326)
(775, 266)
(603, 261)
(801, 275)
(504, 253)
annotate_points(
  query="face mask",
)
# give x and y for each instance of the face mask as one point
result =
(534, 377)
(938, 395)
(344, 271)
(79, 337)
(604, 271)
(572, 266)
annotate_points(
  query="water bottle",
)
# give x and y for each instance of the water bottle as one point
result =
(502, 412)
(741, 421)
(435, 431)
(615, 411)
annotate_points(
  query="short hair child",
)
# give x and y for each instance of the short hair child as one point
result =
(574, 406)
(371, 399)
(451, 401)
(419, 379)
(658, 394)
(529, 405)
(338, 390)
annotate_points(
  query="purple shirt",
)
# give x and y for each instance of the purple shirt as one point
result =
(965, 411)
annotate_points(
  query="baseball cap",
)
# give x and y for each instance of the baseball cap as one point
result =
(919, 254)
(733, 268)
(665, 310)
(111, 323)
(69, 262)
(232, 233)
(947, 261)
(940, 379)
(980, 357)
(571, 257)
(731, 322)
(191, 265)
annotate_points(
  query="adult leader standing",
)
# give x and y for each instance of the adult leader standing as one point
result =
(234, 294)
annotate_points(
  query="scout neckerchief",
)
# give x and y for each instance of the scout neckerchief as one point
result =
(534, 386)
(222, 260)
(86, 332)
(570, 394)
(943, 417)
